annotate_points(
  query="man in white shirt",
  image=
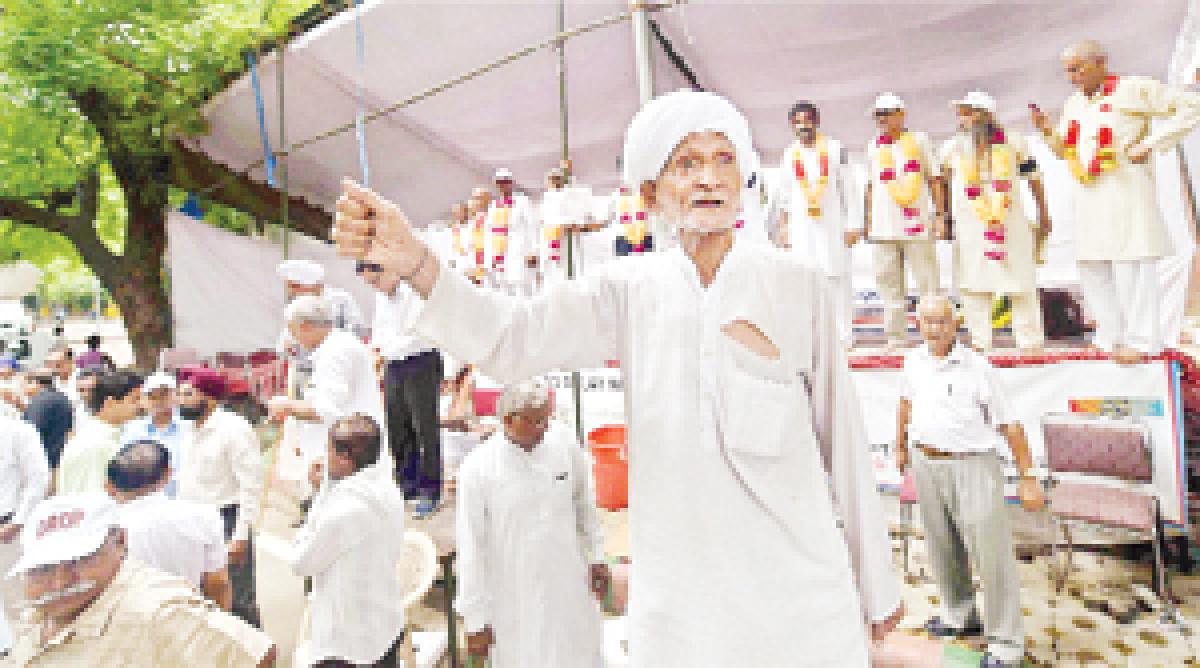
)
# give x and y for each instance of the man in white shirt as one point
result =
(995, 240)
(1106, 136)
(411, 382)
(24, 480)
(161, 423)
(814, 214)
(182, 538)
(953, 419)
(223, 468)
(350, 545)
(114, 401)
(511, 226)
(735, 481)
(903, 214)
(530, 550)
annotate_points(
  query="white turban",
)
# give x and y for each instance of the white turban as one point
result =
(663, 122)
(304, 272)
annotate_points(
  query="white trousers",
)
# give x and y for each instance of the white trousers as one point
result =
(842, 297)
(11, 594)
(1123, 299)
(1026, 318)
(961, 502)
(893, 260)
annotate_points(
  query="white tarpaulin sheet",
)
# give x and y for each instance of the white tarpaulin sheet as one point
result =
(225, 294)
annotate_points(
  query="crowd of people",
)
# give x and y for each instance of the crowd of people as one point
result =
(129, 504)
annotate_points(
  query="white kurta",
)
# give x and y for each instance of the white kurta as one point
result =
(736, 556)
(887, 218)
(350, 545)
(527, 530)
(1117, 214)
(818, 242)
(343, 383)
(1015, 274)
(506, 265)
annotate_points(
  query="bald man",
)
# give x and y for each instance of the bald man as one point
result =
(956, 418)
(1106, 136)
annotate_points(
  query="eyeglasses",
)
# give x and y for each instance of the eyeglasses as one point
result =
(362, 267)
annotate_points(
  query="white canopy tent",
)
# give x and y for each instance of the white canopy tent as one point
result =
(763, 56)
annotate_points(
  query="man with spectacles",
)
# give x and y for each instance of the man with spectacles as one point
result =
(93, 606)
(412, 375)
(530, 549)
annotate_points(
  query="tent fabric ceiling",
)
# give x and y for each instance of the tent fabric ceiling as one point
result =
(763, 56)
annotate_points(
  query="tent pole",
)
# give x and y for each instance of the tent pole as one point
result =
(564, 155)
(283, 156)
(641, 51)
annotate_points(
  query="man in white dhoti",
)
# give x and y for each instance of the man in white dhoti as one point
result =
(511, 226)
(903, 214)
(995, 240)
(477, 244)
(1106, 136)
(530, 551)
(952, 413)
(737, 484)
(813, 210)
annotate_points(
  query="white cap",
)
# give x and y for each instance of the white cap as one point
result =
(977, 99)
(304, 272)
(888, 102)
(64, 528)
(159, 381)
(503, 174)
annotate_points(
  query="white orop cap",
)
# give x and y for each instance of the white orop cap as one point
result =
(64, 528)
(503, 174)
(977, 99)
(159, 381)
(304, 272)
(888, 102)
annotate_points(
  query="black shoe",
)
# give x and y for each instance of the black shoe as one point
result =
(937, 628)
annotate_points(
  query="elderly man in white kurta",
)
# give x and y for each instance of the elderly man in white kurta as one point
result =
(511, 224)
(813, 211)
(1106, 136)
(903, 214)
(995, 240)
(737, 483)
(530, 550)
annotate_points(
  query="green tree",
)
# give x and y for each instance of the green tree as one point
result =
(99, 97)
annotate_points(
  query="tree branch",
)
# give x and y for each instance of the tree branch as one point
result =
(78, 228)
(193, 171)
(21, 211)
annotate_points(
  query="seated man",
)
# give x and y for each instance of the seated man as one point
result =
(350, 545)
(93, 606)
(529, 544)
(114, 401)
(182, 538)
(954, 413)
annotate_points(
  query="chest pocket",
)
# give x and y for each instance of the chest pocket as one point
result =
(764, 403)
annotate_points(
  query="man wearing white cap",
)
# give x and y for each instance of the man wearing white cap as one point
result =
(903, 213)
(814, 214)
(304, 277)
(511, 226)
(92, 605)
(737, 484)
(995, 240)
(1106, 137)
(161, 423)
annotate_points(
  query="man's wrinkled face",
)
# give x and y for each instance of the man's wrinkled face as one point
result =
(294, 290)
(61, 591)
(938, 324)
(527, 428)
(309, 334)
(1084, 73)
(700, 187)
(159, 402)
(890, 122)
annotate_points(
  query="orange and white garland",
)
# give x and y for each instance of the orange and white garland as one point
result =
(631, 214)
(499, 231)
(905, 186)
(479, 245)
(813, 192)
(553, 237)
(1105, 158)
(991, 202)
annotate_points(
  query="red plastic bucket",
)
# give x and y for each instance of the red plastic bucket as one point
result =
(610, 468)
